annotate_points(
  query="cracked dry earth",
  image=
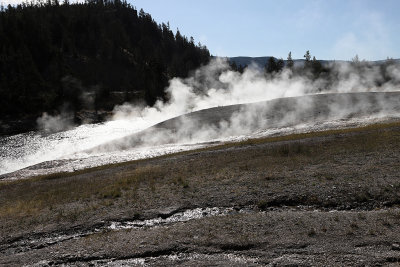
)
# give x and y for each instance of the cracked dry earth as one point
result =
(327, 199)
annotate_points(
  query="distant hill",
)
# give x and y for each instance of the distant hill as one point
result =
(262, 61)
(89, 55)
(247, 61)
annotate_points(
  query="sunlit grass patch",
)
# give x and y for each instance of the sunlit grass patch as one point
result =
(32, 196)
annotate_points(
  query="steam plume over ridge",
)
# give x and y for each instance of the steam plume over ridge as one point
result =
(214, 104)
(304, 112)
(217, 85)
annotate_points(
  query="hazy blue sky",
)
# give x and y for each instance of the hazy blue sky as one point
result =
(330, 29)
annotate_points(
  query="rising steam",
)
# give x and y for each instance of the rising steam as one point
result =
(280, 101)
(216, 85)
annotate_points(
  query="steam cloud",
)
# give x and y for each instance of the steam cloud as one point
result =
(50, 124)
(291, 102)
(216, 85)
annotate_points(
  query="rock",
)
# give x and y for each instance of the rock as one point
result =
(396, 246)
(166, 212)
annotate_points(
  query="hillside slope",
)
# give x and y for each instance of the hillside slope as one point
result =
(90, 55)
(246, 119)
(327, 199)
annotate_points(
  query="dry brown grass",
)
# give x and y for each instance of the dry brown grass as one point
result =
(263, 168)
(364, 142)
(29, 197)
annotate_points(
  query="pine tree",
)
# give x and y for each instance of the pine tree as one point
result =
(280, 64)
(290, 62)
(271, 65)
(355, 59)
(101, 44)
(316, 67)
(307, 56)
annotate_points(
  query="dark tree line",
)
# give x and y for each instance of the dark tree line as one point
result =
(309, 66)
(81, 54)
(370, 73)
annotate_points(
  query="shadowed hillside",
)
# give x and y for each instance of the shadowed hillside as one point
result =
(242, 119)
(90, 55)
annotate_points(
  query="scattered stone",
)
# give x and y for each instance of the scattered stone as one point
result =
(396, 246)
(168, 211)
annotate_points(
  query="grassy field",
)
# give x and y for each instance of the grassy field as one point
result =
(281, 158)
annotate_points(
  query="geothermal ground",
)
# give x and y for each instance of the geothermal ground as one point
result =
(35, 153)
(326, 198)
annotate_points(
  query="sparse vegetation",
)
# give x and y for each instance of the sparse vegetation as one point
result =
(375, 137)
(304, 172)
(47, 192)
(282, 159)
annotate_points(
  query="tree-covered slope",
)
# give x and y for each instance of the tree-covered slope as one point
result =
(52, 55)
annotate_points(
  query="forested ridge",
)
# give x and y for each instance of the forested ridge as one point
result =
(82, 55)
